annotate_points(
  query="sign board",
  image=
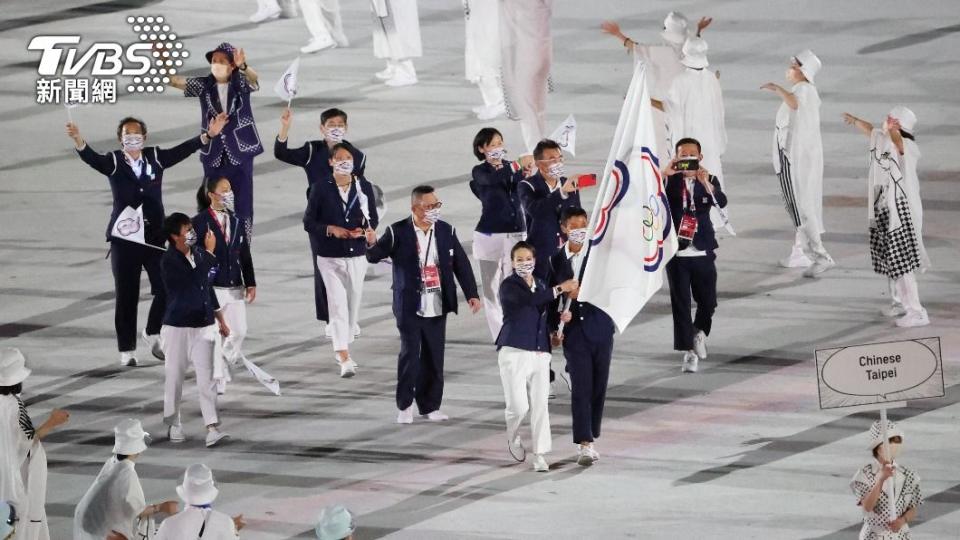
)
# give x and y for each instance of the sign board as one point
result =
(880, 373)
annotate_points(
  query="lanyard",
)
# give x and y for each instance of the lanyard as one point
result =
(426, 257)
(349, 206)
(216, 219)
(688, 197)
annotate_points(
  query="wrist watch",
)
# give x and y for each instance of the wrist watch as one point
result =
(243, 66)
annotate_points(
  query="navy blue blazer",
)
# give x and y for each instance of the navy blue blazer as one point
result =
(399, 242)
(314, 158)
(524, 314)
(190, 298)
(705, 238)
(543, 210)
(131, 190)
(234, 262)
(594, 321)
(325, 207)
(501, 211)
(239, 139)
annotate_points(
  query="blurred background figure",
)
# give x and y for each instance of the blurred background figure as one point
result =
(335, 523)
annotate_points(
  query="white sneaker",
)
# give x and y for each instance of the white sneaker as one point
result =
(819, 267)
(356, 332)
(489, 113)
(326, 332)
(405, 416)
(910, 320)
(214, 436)
(340, 38)
(690, 362)
(436, 416)
(221, 387)
(553, 390)
(175, 433)
(128, 359)
(584, 456)
(348, 368)
(540, 464)
(316, 45)
(154, 342)
(700, 345)
(893, 310)
(796, 259)
(400, 79)
(517, 451)
(265, 14)
(386, 73)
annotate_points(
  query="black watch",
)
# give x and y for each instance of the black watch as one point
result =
(243, 66)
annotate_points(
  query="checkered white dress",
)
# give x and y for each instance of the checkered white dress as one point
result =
(893, 252)
(906, 496)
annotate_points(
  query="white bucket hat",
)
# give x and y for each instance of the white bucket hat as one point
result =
(13, 367)
(695, 53)
(197, 488)
(8, 519)
(129, 437)
(906, 117)
(335, 523)
(876, 433)
(809, 64)
(674, 28)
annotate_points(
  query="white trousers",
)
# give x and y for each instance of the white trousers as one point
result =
(184, 346)
(526, 387)
(234, 309)
(482, 49)
(323, 20)
(396, 36)
(808, 241)
(492, 253)
(903, 291)
(263, 5)
(527, 53)
(343, 282)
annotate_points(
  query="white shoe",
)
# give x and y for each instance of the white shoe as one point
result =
(386, 73)
(796, 259)
(700, 345)
(348, 368)
(553, 390)
(154, 342)
(478, 108)
(316, 45)
(221, 387)
(517, 451)
(893, 310)
(819, 267)
(128, 359)
(405, 416)
(690, 362)
(265, 14)
(540, 464)
(910, 320)
(356, 332)
(214, 436)
(436, 416)
(326, 332)
(175, 433)
(584, 456)
(401, 79)
(489, 113)
(340, 38)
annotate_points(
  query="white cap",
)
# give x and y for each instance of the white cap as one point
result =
(335, 523)
(809, 64)
(674, 28)
(197, 488)
(876, 433)
(129, 437)
(8, 518)
(13, 367)
(906, 117)
(695, 53)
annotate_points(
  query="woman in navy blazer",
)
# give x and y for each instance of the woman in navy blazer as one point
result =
(524, 353)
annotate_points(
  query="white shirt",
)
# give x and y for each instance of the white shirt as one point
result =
(576, 259)
(431, 303)
(222, 89)
(224, 220)
(135, 164)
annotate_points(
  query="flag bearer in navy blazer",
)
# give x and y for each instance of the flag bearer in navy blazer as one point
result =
(587, 339)
(341, 218)
(692, 192)
(524, 353)
(427, 257)
(188, 333)
(234, 281)
(544, 196)
(495, 182)
(135, 174)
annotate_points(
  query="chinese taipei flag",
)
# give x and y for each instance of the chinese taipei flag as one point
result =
(633, 236)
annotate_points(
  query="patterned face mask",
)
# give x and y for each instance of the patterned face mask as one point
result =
(191, 238)
(432, 216)
(343, 167)
(335, 135)
(228, 200)
(577, 236)
(557, 170)
(524, 269)
(496, 153)
(132, 141)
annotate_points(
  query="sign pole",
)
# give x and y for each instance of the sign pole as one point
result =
(886, 452)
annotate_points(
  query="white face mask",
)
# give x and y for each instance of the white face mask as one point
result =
(524, 269)
(191, 238)
(335, 135)
(497, 153)
(132, 141)
(228, 200)
(432, 216)
(343, 167)
(220, 71)
(557, 170)
(577, 236)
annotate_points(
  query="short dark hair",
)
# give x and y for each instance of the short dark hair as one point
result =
(484, 137)
(543, 145)
(209, 185)
(571, 212)
(420, 191)
(523, 244)
(121, 457)
(340, 146)
(907, 135)
(332, 113)
(11, 390)
(130, 120)
(175, 222)
(687, 140)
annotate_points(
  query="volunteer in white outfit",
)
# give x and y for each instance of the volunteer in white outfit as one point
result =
(482, 55)
(798, 162)
(502, 223)
(325, 25)
(873, 483)
(266, 10)
(21, 451)
(895, 212)
(115, 501)
(198, 519)
(8, 520)
(526, 48)
(396, 39)
(335, 523)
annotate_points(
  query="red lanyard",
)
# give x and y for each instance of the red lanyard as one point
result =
(216, 219)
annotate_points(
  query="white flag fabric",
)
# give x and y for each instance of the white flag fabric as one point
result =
(129, 226)
(268, 381)
(286, 87)
(566, 135)
(633, 236)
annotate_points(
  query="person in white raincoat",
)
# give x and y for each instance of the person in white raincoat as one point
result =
(396, 39)
(115, 501)
(335, 523)
(199, 519)
(482, 55)
(895, 212)
(798, 162)
(23, 463)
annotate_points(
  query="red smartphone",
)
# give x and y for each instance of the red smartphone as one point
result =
(586, 180)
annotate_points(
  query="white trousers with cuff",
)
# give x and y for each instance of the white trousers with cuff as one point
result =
(234, 308)
(492, 253)
(184, 346)
(323, 20)
(343, 283)
(525, 376)
(903, 291)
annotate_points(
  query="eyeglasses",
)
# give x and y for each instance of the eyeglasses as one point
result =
(433, 206)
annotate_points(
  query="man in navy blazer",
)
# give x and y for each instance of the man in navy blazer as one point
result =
(692, 191)
(135, 174)
(427, 257)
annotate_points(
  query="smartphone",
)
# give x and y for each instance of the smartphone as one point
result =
(586, 180)
(689, 164)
